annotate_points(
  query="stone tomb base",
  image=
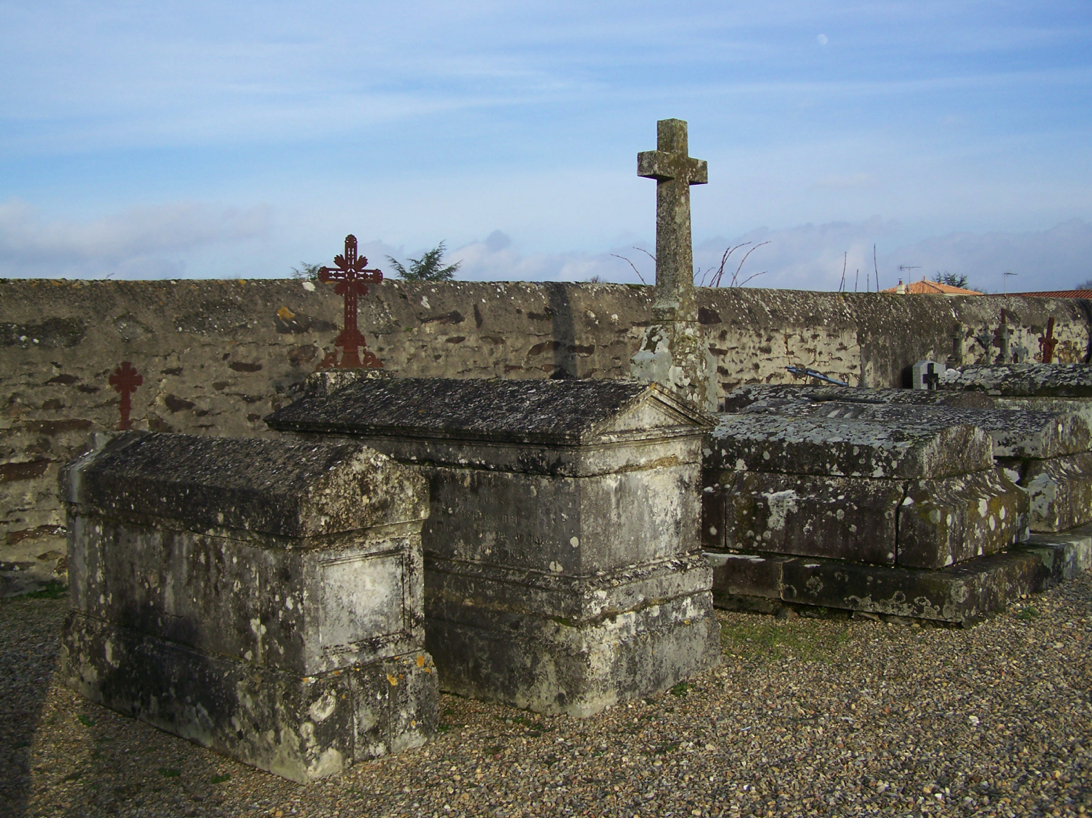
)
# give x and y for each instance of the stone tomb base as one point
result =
(960, 594)
(260, 598)
(562, 566)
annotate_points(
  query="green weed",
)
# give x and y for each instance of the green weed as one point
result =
(1027, 614)
(761, 638)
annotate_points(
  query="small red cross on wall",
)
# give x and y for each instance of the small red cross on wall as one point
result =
(125, 381)
(1048, 342)
(352, 280)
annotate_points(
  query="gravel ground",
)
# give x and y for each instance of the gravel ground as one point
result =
(805, 717)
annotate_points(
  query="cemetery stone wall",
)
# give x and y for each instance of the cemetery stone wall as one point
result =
(217, 356)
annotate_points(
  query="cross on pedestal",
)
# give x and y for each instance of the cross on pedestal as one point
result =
(674, 172)
(125, 381)
(1048, 342)
(352, 280)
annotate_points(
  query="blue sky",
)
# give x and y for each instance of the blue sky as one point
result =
(213, 140)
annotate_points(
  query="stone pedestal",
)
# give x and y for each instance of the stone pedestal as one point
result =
(562, 565)
(260, 598)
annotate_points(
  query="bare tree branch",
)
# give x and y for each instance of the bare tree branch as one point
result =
(631, 264)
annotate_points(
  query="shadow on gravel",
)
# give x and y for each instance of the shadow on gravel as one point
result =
(31, 628)
(61, 755)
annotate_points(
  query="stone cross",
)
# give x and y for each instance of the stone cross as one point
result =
(352, 280)
(674, 172)
(1048, 342)
(125, 381)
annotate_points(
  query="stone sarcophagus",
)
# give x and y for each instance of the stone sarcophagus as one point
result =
(562, 565)
(261, 598)
(910, 503)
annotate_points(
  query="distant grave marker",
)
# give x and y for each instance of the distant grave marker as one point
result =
(1048, 342)
(125, 381)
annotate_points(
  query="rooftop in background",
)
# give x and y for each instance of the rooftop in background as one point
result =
(925, 287)
(1058, 294)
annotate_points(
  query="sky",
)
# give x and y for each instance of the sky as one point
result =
(890, 139)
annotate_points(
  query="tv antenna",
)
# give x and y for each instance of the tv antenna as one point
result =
(1006, 275)
(909, 267)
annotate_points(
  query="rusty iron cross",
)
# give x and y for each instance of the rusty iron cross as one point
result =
(674, 171)
(352, 280)
(1048, 342)
(125, 381)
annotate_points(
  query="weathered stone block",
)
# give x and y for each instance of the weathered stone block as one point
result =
(749, 394)
(1015, 380)
(834, 517)
(846, 448)
(263, 598)
(942, 522)
(1060, 492)
(563, 570)
(1015, 433)
(963, 594)
(757, 575)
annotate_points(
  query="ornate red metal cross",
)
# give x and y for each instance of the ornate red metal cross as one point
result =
(352, 280)
(125, 381)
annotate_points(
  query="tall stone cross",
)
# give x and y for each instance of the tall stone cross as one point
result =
(125, 381)
(352, 280)
(674, 172)
(673, 350)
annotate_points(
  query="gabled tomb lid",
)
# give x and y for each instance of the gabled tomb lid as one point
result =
(285, 488)
(551, 411)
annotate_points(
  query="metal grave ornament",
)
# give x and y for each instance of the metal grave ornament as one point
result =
(1048, 342)
(125, 381)
(352, 280)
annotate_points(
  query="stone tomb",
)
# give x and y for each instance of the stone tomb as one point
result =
(261, 598)
(1045, 453)
(866, 442)
(563, 571)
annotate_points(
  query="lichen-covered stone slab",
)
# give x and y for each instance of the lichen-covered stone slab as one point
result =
(947, 521)
(961, 594)
(1060, 492)
(846, 448)
(835, 517)
(1015, 433)
(1015, 380)
(748, 394)
(278, 619)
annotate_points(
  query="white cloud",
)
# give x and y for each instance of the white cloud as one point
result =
(822, 39)
(147, 242)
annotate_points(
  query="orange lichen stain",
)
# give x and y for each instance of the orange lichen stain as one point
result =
(394, 681)
(285, 314)
(420, 660)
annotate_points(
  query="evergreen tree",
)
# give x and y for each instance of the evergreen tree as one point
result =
(427, 268)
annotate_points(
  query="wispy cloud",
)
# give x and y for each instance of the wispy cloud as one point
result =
(150, 242)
